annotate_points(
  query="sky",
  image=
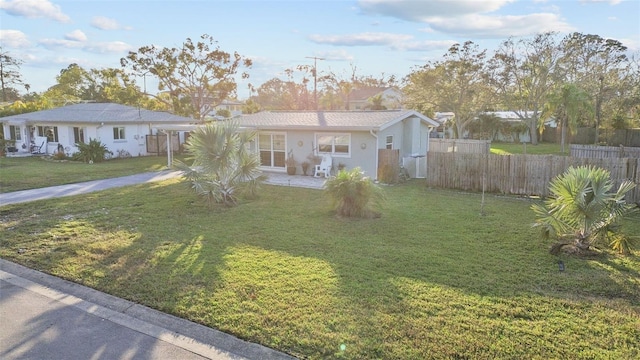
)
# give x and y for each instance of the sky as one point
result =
(376, 37)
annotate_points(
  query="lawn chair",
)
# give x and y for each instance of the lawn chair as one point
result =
(324, 167)
(35, 149)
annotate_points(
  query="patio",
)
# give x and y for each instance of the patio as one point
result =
(283, 179)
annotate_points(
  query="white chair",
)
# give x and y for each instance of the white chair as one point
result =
(324, 167)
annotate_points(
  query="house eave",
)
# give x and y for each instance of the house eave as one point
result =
(315, 128)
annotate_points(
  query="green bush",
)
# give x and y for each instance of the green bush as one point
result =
(583, 211)
(354, 195)
(94, 151)
(223, 168)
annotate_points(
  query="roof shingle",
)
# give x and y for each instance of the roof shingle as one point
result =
(99, 113)
(345, 120)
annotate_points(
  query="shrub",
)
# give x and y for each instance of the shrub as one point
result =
(223, 167)
(582, 210)
(94, 151)
(353, 194)
(59, 155)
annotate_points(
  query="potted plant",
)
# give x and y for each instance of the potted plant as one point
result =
(341, 166)
(305, 166)
(5, 144)
(291, 163)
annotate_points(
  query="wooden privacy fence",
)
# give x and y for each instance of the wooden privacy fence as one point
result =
(518, 174)
(460, 146)
(604, 152)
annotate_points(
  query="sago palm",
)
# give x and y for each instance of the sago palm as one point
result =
(353, 194)
(582, 209)
(223, 166)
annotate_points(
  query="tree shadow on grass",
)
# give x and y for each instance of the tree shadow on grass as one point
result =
(388, 285)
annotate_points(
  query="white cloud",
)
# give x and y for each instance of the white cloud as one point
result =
(419, 10)
(14, 39)
(53, 44)
(109, 47)
(470, 18)
(500, 26)
(76, 35)
(610, 2)
(426, 45)
(34, 9)
(105, 23)
(115, 47)
(335, 55)
(362, 39)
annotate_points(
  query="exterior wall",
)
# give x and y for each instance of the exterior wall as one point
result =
(363, 150)
(133, 142)
(410, 136)
(413, 142)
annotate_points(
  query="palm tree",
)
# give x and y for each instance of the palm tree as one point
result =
(583, 211)
(568, 103)
(223, 166)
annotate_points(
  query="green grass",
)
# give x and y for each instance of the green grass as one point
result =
(21, 173)
(431, 279)
(540, 149)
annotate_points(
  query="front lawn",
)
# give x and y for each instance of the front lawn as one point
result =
(431, 279)
(21, 173)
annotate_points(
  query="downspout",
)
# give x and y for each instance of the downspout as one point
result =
(371, 131)
(169, 149)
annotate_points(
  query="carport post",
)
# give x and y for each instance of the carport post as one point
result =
(169, 153)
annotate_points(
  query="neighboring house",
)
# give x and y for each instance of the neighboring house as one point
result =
(119, 127)
(516, 119)
(233, 106)
(351, 138)
(445, 127)
(361, 99)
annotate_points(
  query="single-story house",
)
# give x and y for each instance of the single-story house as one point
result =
(361, 98)
(121, 128)
(351, 138)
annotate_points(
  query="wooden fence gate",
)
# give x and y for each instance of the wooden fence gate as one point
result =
(388, 165)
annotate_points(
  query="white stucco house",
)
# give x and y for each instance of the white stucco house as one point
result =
(351, 138)
(119, 127)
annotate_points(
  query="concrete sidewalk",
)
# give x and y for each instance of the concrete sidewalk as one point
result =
(44, 317)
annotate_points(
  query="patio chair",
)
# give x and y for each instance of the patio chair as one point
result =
(324, 167)
(35, 149)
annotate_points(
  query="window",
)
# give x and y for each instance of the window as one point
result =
(50, 132)
(334, 144)
(118, 133)
(272, 150)
(78, 135)
(389, 142)
(14, 132)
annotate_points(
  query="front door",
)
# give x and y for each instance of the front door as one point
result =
(272, 150)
